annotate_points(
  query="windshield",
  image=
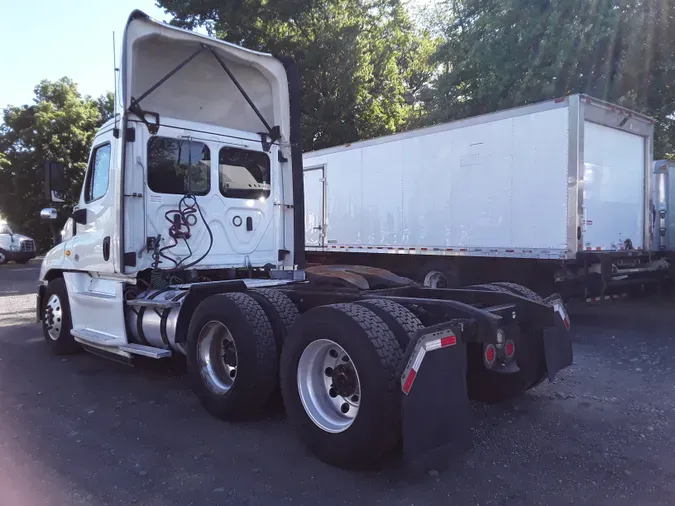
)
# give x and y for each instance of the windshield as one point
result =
(4, 229)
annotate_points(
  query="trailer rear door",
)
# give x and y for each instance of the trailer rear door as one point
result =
(614, 188)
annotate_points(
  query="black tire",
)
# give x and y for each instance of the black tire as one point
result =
(280, 311)
(402, 322)
(256, 355)
(520, 290)
(61, 342)
(492, 387)
(374, 351)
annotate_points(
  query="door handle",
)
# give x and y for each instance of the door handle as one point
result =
(106, 248)
(318, 228)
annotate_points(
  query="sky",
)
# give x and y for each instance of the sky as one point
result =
(49, 39)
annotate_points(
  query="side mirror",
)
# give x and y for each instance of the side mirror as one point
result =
(55, 182)
(49, 214)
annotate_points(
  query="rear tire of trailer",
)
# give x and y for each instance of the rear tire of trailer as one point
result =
(340, 429)
(56, 321)
(492, 387)
(280, 310)
(232, 361)
(402, 322)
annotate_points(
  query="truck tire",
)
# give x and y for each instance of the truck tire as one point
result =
(232, 360)
(55, 317)
(492, 387)
(520, 290)
(334, 357)
(402, 322)
(280, 310)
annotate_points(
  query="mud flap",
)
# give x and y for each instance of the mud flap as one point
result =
(435, 406)
(558, 342)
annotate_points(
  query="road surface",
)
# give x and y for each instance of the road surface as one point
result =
(82, 430)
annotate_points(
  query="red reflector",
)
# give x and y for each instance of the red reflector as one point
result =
(509, 349)
(448, 341)
(490, 353)
(409, 381)
(558, 100)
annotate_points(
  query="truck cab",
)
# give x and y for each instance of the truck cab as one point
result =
(15, 247)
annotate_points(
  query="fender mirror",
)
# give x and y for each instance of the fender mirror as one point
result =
(55, 182)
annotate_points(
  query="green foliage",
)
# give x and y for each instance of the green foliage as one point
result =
(503, 53)
(58, 126)
(362, 62)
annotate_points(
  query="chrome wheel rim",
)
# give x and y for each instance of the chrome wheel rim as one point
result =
(53, 317)
(329, 386)
(435, 279)
(217, 355)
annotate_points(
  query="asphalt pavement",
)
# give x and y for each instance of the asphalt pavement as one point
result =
(82, 430)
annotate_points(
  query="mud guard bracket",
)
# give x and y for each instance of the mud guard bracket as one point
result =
(436, 418)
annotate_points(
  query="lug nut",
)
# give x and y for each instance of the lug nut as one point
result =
(344, 408)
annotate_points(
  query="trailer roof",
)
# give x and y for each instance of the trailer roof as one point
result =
(477, 120)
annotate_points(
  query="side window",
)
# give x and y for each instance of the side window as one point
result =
(178, 166)
(99, 172)
(243, 174)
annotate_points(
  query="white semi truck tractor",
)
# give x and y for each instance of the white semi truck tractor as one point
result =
(188, 239)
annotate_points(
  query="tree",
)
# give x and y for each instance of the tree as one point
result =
(58, 126)
(503, 53)
(362, 62)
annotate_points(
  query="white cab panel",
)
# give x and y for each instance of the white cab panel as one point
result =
(613, 189)
(96, 304)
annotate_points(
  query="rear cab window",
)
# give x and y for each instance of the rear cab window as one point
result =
(243, 174)
(178, 166)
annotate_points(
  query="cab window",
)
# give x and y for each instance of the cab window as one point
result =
(98, 174)
(243, 174)
(178, 166)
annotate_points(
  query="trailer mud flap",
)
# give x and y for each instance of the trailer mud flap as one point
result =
(435, 407)
(558, 342)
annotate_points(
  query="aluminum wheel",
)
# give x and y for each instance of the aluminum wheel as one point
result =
(53, 316)
(329, 387)
(217, 356)
(435, 279)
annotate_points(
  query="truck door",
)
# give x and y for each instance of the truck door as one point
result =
(314, 206)
(91, 247)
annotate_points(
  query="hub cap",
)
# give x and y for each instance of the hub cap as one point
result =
(329, 386)
(435, 279)
(217, 355)
(53, 317)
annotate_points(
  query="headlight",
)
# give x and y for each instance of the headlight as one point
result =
(14, 247)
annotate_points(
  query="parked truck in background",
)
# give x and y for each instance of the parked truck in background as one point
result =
(15, 247)
(554, 195)
(188, 239)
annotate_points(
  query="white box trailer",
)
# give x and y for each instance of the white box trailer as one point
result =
(563, 184)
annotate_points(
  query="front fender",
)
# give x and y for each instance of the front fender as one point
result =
(55, 260)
